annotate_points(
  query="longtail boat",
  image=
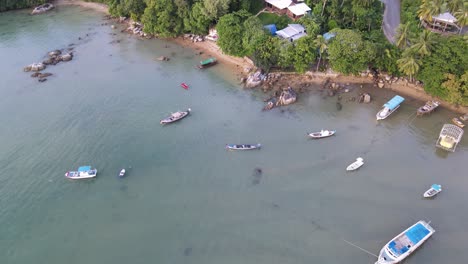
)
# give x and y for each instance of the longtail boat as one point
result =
(207, 63)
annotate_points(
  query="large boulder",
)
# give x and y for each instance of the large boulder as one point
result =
(254, 79)
(288, 96)
(54, 53)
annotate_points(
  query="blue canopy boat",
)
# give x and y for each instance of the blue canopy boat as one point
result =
(389, 107)
(435, 189)
(405, 243)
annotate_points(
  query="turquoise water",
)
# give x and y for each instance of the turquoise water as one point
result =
(185, 198)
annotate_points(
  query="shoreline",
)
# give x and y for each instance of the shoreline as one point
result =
(103, 8)
(241, 67)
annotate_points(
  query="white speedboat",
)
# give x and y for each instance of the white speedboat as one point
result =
(83, 172)
(390, 107)
(355, 165)
(322, 134)
(122, 173)
(405, 243)
(175, 117)
(435, 189)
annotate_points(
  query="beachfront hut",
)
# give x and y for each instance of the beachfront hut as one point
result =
(271, 28)
(292, 32)
(449, 137)
(298, 10)
(444, 22)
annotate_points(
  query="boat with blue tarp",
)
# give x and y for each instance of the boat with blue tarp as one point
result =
(390, 107)
(435, 189)
(405, 243)
(83, 172)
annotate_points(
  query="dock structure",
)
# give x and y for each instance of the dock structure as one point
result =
(449, 137)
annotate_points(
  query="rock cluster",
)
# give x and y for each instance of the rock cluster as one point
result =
(136, 28)
(286, 97)
(194, 38)
(54, 57)
(255, 79)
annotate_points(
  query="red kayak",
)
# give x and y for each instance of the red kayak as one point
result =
(184, 85)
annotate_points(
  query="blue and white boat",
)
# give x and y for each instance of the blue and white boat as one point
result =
(405, 243)
(435, 189)
(83, 172)
(390, 107)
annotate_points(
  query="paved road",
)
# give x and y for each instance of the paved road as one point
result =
(391, 18)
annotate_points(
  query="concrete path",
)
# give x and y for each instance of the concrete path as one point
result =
(391, 18)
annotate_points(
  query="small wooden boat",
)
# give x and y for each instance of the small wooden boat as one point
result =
(83, 172)
(207, 63)
(390, 107)
(243, 147)
(322, 134)
(401, 246)
(427, 108)
(175, 117)
(184, 85)
(435, 189)
(458, 122)
(122, 173)
(355, 165)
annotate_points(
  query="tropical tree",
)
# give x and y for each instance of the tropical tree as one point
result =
(403, 35)
(454, 5)
(430, 8)
(252, 34)
(461, 14)
(409, 63)
(230, 31)
(424, 43)
(321, 45)
(266, 54)
(348, 52)
(198, 22)
(304, 53)
(214, 9)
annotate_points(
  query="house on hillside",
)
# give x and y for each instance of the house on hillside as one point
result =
(292, 32)
(442, 23)
(298, 10)
(293, 8)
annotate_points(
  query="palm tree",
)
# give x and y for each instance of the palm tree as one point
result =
(321, 43)
(424, 43)
(409, 63)
(430, 8)
(462, 16)
(403, 35)
(454, 5)
(323, 7)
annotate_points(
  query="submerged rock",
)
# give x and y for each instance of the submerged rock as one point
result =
(54, 53)
(35, 67)
(162, 58)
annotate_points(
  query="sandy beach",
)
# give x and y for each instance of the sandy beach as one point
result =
(95, 6)
(242, 66)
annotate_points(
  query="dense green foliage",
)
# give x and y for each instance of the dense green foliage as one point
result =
(349, 53)
(448, 62)
(359, 44)
(17, 4)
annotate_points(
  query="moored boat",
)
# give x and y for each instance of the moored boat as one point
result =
(175, 117)
(122, 173)
(322, 134)
(184, 85)
(83, 172)
(458, 122)
(435, 189)
(207, 63)
(355, 165)
(429, 107)
(243, 147)
(390, 107)
(405, 243)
